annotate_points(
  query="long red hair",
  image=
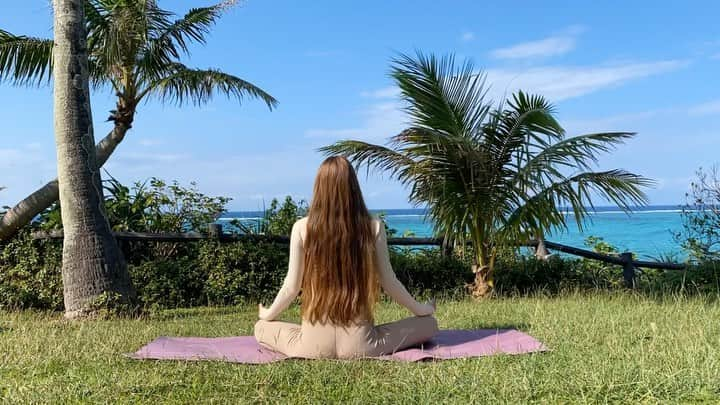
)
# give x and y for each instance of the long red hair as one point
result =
(339, 283)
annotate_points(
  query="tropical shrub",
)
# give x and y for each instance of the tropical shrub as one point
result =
(151, 206)
(700, 236)
(276, 219)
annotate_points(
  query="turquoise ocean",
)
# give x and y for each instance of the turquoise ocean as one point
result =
(647, 231)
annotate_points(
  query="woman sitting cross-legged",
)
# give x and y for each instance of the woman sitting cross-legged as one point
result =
(339, 259)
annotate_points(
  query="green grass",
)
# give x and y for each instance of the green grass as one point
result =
(605, 348)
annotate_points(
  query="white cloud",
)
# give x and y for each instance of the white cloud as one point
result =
(558, 44)
(386, 118)
(533, 49)
(709, 108)
(249, 178)
(334, 133)
(134, 158)
(381, 121)
(386, 92)
(9, 157)
(620, 122)
(467, 36)
(34, 145)
(23, 170)
(150, 142)
(558, 83)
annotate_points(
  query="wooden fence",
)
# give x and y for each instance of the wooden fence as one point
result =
(215, 232)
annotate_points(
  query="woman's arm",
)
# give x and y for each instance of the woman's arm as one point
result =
(293, 280)
(389, 282)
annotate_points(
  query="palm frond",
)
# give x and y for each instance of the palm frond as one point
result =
(198, 86)
(193, 26)
(25, 60)
(575, 153)
(372, 157)
(169, 41)
(578, 192)
(439, 95)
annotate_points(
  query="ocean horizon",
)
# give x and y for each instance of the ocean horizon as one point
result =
(647, 231)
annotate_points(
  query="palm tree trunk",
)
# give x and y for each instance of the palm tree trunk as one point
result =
(483, 269)
(27, 209)
(93, 267)
(541, 251)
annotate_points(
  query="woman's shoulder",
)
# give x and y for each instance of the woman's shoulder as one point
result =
(299, 228)
(377, 224)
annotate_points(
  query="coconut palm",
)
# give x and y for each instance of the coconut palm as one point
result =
(135, 48)
(490, 176)
(93, 268)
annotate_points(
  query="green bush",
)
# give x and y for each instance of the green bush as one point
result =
(238, 272)
(427, 272)
(525, 275)
(30, 274)
(702, 278)
(214, 273)
(164, 283)
(700, 235)
(150, 206)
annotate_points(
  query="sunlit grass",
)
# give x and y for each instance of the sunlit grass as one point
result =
(605, 348)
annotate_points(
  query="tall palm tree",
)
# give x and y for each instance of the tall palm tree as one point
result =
(493, 176)
(135, 49)
(93, 266)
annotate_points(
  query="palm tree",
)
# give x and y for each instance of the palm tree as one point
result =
(93, 267)
(135, 49)
(490, 176)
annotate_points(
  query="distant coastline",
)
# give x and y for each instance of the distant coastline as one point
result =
(398, 212)
(648, 231)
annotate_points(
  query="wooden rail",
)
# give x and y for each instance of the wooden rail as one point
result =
(196, 236)
(215, 232)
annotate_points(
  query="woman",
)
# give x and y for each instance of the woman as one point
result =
(339, 259)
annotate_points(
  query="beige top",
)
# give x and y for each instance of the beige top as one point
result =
(293, 280)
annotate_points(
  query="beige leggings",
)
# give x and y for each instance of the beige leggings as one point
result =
(343, 342)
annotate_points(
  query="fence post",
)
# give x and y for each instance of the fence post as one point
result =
(215, 231)
(628, 269)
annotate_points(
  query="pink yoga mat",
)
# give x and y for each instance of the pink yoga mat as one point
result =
(447, 344)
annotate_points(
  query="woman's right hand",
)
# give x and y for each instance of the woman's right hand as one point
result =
(429, 308)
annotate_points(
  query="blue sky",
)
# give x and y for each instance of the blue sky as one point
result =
(645, 66)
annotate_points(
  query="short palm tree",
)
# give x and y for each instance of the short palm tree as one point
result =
(490, 176)
(135, 48)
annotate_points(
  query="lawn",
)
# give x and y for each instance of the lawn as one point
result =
(605, 348)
